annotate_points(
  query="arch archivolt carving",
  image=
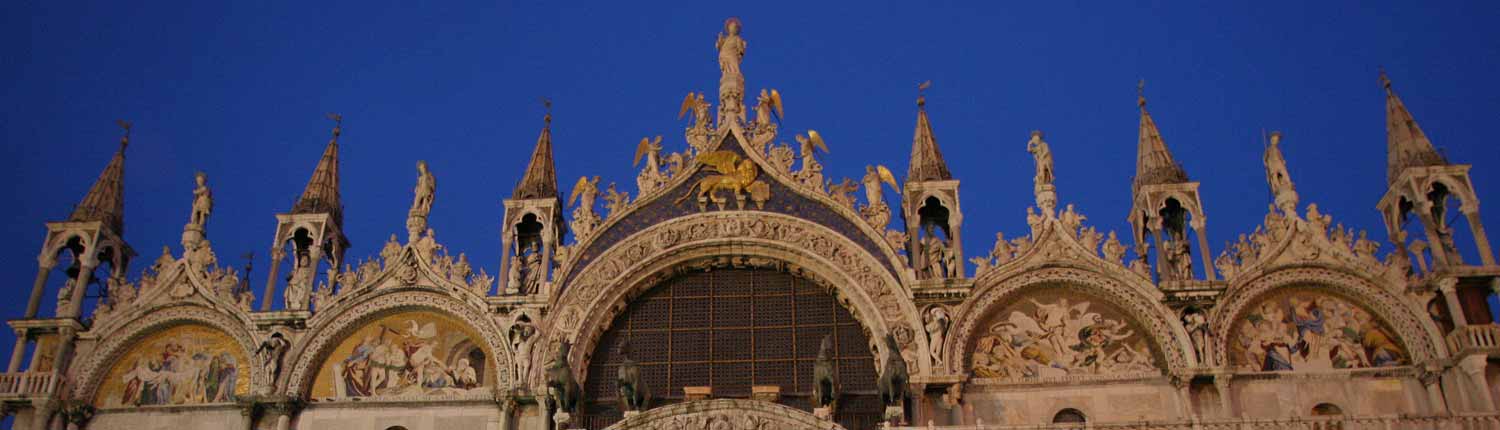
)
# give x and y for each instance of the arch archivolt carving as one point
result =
(1416, 333)
(91, 368)
(725, 414)
(873, 296)
(312, 348)
(993, 294)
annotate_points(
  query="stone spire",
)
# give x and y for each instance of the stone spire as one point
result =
(540, 181)
(322, 193)
(926, 160)
(1154, 163)
(105, 201)
(1406, 144)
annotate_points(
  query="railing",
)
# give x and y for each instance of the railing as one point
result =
(1474, 337)
(1385, 422)
(26, 384)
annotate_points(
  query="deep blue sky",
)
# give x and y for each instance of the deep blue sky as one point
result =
(239, 90)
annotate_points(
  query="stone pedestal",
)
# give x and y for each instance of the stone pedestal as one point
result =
(690, 394)
(192, 234)
(824, 413)
(1046, 198)
(894, 415)
(765, 393)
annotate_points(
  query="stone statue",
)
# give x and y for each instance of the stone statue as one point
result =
(390, 251)
(1034, 220)
(521, 335)
(269, 354)
(628, 379)
(1071, 219)
(811, 173)
(615, 201)
(935, 254)
(203, 201)
(765, 105)
(531, 281)
(1196, 324)
(1276, 172)
(1113, 250)
(893, 376)
(1002, 252)
(937, 322)
(825, 375)
(299, 289)
(874, 175)
(426, 189)
(731, 82)
(513, 275)
(1043, 154)
(561, 385)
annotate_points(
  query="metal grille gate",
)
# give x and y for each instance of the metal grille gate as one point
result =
(732, 329)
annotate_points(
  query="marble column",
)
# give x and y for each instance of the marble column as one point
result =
(1473, 367)
(37, 288)
(1486, 255)
(17, 354)
(1449, 288)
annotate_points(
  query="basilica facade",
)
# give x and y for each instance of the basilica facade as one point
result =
(739, 288)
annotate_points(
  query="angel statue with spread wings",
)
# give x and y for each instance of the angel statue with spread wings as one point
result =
(764, 106)
(695, 103)
(734, 175)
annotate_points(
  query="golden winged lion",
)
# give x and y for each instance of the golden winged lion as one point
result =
(734, 175)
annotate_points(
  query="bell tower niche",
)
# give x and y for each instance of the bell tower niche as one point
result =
(311, 233)
(533, 224)
(1423, 186)
(1165, 205)
(89, 237)
(930, 207)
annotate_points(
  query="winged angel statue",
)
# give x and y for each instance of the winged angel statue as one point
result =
(734, 175)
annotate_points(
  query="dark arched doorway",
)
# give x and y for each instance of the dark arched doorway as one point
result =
(732, 329)
(1069, 415)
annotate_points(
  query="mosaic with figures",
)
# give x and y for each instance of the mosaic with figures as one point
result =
(182, 365)
(1053, 334)
(1309, 330)
(404, 355)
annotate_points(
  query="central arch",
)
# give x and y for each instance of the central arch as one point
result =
(590, 301)
(733, 329)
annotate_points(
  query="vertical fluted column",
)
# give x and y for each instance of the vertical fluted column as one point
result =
(44, 268)
(1486, 255)
(1226, 396)
(277, 254)
(1473, 370)
(1198, 229)
(1161, 267)
(1434, 240)
(17, 354)
(85, 273)
(1449, 289)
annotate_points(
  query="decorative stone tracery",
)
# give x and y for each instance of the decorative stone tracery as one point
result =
(725, 414)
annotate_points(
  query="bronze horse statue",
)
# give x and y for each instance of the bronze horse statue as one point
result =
(893, 377)
(560, 382)
(825, 380)
(632, 391)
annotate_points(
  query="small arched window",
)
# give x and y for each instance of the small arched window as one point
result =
(395, 428)
(1327, 409)
(1069, 415)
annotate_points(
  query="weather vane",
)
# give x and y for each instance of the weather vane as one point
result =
(921, 92)
(547, 107)
(124, 140)
(338, 123)
(1140, 92)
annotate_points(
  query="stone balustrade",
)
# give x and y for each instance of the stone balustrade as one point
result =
(1474, 338)
(1384, 422)
(26, 384)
